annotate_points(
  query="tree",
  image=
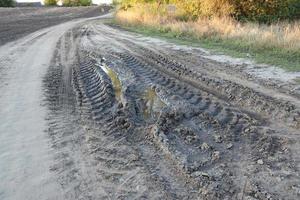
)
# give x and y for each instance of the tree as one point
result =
(7, 3)
(50, 2)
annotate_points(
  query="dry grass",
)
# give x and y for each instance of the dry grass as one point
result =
(281, 35)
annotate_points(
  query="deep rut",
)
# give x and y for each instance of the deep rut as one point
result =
(142, 125)
(101, 154)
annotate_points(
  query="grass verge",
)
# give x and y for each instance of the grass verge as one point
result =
(289, 60)
(276, 44)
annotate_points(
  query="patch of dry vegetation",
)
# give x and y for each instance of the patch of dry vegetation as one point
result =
(282, 34)
(251, 37)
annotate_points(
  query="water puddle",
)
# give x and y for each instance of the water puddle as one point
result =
(114, 79)
(153, 104)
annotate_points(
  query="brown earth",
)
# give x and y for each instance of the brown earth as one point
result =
(132, 117)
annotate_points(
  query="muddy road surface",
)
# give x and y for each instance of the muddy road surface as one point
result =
(100, 113)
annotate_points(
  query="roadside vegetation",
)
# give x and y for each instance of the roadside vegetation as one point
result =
(7, 3)
(69, 3)
(77, 2)
(268, 31)
(50, 2)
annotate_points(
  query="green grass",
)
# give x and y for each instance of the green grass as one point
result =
(236, 48)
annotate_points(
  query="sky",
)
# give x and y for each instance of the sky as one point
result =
(94, 1)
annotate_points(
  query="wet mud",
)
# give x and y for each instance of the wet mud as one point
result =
(135, 120)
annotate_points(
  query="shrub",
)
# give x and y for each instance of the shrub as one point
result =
(254, 10)
(85, 2)
(205, 8)
(116, 2)
(50, 2)
(7, 3)
(267, 10)
(70, 3)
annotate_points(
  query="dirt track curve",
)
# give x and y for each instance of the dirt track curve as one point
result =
(120, 116)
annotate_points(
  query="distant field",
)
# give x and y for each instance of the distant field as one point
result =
(18, 22)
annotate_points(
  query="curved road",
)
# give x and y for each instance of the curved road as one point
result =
(90, 111)
(25, 149)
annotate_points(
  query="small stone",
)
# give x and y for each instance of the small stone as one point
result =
(205, 174)
(229, 146)
(218, 138)
(215, 156)
(260, 161)
(190, 138)
(199, 173)
(247, 130)
(127, 125)
(204, 146)
(203, 191)
(120, 105)
(196, 174)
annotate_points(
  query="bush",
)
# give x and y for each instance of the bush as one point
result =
(116, 2)
(70, 3)
(254, 10)
(50, 2)
(267, 11)
(7, 3)
(85, 2)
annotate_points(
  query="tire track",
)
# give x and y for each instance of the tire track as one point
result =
(284, 109)
(97, 155)
(129, 122)
(200, 130)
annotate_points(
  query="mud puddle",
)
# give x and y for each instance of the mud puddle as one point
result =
(116, 83)
(152, 104)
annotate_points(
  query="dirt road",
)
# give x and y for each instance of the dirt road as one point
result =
(18, 22)
(100, 113)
